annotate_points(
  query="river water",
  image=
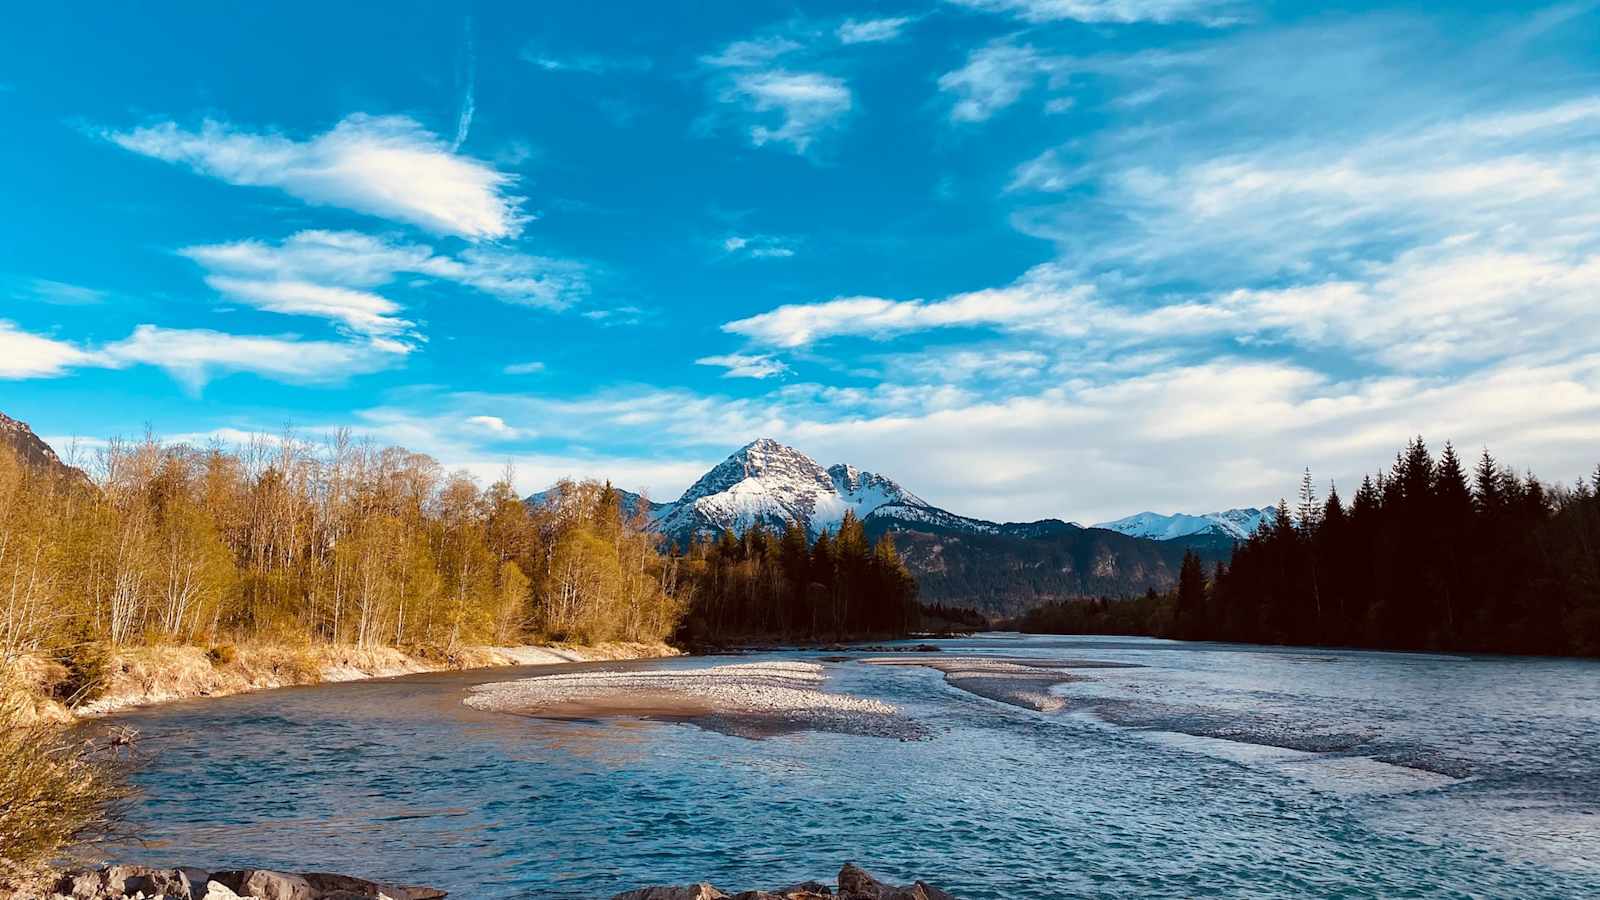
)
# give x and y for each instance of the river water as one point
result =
(1208, 771)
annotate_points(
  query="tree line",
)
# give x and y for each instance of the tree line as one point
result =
(765, 584)
(280, 540)
(1426, 556)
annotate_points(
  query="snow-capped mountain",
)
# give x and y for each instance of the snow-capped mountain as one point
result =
(767, 482)
(1233, 523)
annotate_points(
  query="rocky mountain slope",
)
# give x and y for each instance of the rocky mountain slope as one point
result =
(32, 449)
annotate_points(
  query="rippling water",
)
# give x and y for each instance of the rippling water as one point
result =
(1213, 770)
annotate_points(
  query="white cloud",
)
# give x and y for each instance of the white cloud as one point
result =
(1091, 447)
(60, 292)
(1045, 172)
(492, 424)
(387, 166)
(757, 247)
(751, 53)
(346, 259)
(1029, 304)
(807, 104)
(361, 311)
(868, 31)
(995, 76)
(194, 356)
(27, 355)
(1205, 12)
(742, 365)
(525, 368)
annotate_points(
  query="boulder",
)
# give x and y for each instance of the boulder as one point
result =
(805, 890)
(266, 885)
(216, 890)
(701, 891)
(856, 884)
(327, 883)
(83, 885)
(174, 884)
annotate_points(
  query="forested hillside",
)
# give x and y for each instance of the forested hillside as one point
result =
(764, 584)
(1006, 575)
(1425, 556)
(287, 541)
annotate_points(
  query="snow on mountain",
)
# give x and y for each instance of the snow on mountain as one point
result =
(1235, 523)
(770, 483)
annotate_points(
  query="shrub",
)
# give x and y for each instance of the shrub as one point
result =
(88, 672)
(57, 791)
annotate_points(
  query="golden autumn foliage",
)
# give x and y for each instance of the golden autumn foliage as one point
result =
(283, 541)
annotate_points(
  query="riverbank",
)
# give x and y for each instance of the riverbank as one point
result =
(142, 676)
(747, 700)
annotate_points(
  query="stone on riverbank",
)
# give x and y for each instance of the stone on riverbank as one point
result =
(854, 884)
(118, 882)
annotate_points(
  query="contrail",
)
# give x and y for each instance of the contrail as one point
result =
(469, 77)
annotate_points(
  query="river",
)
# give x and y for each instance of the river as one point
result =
(1209, 770)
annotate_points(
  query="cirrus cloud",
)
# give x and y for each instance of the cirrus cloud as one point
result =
(386, 166)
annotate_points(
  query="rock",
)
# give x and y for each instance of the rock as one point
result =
(415, 892)
(856, 884)
(82, 885)
(327, 884)
(266, 885)
(216, 890)
(805, 890)
(174, 884)
(701, 891)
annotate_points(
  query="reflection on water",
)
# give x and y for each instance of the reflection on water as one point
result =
(1211, 771)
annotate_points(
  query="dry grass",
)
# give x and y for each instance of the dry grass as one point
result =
(56, 791)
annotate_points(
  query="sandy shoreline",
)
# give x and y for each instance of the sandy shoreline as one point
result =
(149, 676)
(743, 699)
(1018, 681)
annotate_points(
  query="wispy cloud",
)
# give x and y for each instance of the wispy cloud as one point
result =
(386, 166)
(351, 260)
(584, 63)
(1028, 304)
(1205, 12)
(60, 293)
(743, 365)
(468, 78)
(194, 356)
(757, 246)
(806, 103)
(524, 368)
(751, 54)
(994, 77)
(869, 31)
(27, 355)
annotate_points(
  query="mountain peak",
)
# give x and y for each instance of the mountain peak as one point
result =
(769, 483)
(32, 449)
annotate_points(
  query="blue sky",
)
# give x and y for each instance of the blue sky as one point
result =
(1032, 258)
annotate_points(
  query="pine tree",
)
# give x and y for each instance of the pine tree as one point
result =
(1191, 596)
(1488, 490)
(1309, 511)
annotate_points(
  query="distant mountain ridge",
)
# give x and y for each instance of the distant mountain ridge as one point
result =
(1000, 568)
(1236, 524)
